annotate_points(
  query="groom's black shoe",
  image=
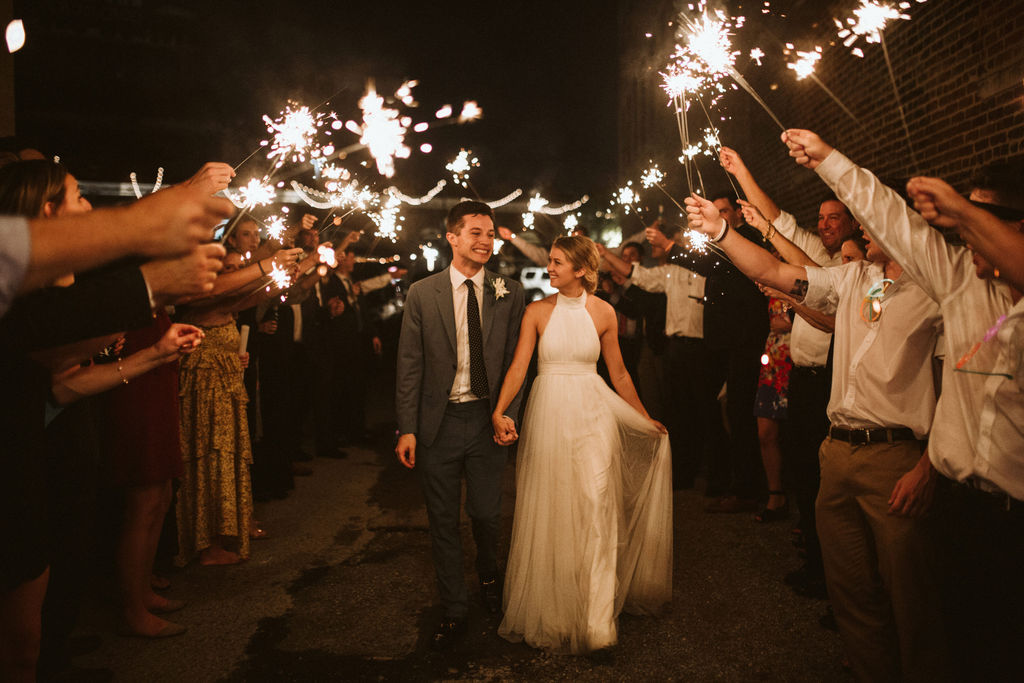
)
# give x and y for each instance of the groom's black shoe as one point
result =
(448, 631)
(490, 594)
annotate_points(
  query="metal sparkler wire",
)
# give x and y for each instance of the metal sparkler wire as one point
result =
(899, 104)
(718, 139)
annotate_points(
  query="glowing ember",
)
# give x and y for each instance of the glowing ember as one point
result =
(257, 193)
(470, 112)
(382, 132)
(294, 134)
(461, 166)
(327, 256)
(652, 176)
(757, 54)
(275, 228)
(805, 62)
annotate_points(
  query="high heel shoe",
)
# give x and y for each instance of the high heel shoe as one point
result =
(768, 514)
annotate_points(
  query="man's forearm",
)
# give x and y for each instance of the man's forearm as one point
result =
(757, 196)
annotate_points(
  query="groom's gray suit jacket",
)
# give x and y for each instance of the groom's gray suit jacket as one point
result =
(427, 355)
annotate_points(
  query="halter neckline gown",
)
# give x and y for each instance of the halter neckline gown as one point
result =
(592, 533)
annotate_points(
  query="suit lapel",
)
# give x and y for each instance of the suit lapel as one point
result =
(446, 308)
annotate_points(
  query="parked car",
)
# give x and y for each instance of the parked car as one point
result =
(536, 283)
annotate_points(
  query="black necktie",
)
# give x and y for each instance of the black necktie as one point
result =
(477, 371)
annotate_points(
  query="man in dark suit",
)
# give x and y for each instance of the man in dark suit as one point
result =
(459, 332)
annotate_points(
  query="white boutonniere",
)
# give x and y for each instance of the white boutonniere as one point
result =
(500, 290)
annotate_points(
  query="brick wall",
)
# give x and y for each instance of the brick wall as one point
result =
(959, 67)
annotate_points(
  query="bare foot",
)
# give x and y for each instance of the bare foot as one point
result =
(216, 556)
(147, 625)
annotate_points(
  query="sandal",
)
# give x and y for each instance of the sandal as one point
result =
(768, 514)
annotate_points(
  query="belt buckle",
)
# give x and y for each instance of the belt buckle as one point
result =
(860, 437)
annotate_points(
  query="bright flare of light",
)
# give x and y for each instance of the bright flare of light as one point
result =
(332, 172)
(698, 241)
(470, 112)
(294, 134)
(869, 21)
(679, 79)
(805, 62)
(444, 112)
(276, 228)
(388, 219)
(461, 166)
(429, 255)
(257, 193)
(757, 54)
(381, 131)
(279, 277)
(528, 220)
(15, 35)
(426, 148)
(709, 42)
(652, 176)
(570, 223)
(327, 256)
(536, 203)
(625, 197)
(498, 244)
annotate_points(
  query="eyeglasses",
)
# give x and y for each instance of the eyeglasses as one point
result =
(871, 306)
(983, 357)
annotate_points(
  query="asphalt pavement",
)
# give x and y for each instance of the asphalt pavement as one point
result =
(343, 590)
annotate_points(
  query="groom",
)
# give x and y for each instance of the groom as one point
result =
(459, 332)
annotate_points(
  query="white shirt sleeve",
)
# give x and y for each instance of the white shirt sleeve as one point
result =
(808, 241)
(15, 251)
(822, 294)
(902, 233)
(649, 279)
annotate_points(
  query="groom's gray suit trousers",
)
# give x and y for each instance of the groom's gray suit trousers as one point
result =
(464, 446)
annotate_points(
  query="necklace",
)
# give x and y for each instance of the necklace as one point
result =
(871, 306)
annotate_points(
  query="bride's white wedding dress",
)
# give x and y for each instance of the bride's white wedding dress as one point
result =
(592, 532)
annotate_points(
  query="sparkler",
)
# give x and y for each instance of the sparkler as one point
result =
(429, 255)
(294, 134)
(382, 131)
(255, 193)
(536, 203)
(654, 176)
(528, 220)
(461, 166)
(388, 220)
(804, 66)
(470, 112)
(276, 228)
(698, 241)
(870, 23)
(625, 197)
(279, 277)
(327, 256)
(570, 223)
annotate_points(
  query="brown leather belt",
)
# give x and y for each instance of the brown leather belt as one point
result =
(860, 437)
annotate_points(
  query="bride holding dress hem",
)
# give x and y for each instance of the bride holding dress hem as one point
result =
(592, 532)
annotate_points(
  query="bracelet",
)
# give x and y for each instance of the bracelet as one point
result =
(260, 264)
(722, 234)
(120, 371)
(771, 232)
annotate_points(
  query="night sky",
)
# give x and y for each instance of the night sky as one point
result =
(114, 87)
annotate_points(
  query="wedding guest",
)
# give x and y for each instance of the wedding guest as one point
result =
(876, 484)
(692, 405)
(975, 441)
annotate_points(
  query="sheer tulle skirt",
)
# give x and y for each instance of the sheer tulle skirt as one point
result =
(592, 532)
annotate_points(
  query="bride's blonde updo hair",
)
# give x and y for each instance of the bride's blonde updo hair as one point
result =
(582, 254)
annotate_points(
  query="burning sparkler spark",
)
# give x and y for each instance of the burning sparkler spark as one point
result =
(382, 131)
(327, 256)
(536, 203)
(294, 134)
(652, 176)
(570, 223)
(698, 241)
(257, 193)
(625, 197)
(871, 20)
(470, 112)
(805, 62)
(388, 220)
(757, 54)
(276, 228)
(528, 220)
(280, 277)
(461, 166)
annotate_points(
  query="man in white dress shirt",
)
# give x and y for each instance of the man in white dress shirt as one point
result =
(977, 439)
(876, 482)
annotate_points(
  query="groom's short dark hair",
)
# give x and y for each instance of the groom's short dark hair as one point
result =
(467, 208)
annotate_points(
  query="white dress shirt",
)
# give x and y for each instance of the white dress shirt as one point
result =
(808, 346)
(684, 291)
(461, 391)
(14, 256)
(979, 418)
(882, 370)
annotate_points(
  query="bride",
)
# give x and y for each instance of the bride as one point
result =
(592, 532)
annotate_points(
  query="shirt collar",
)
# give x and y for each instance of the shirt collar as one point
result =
(458, 278)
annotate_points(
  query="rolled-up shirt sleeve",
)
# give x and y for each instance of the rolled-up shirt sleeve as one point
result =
(15, 251)
(649, 279)
(822, 294)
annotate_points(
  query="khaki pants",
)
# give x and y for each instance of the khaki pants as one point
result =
(878, 567)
